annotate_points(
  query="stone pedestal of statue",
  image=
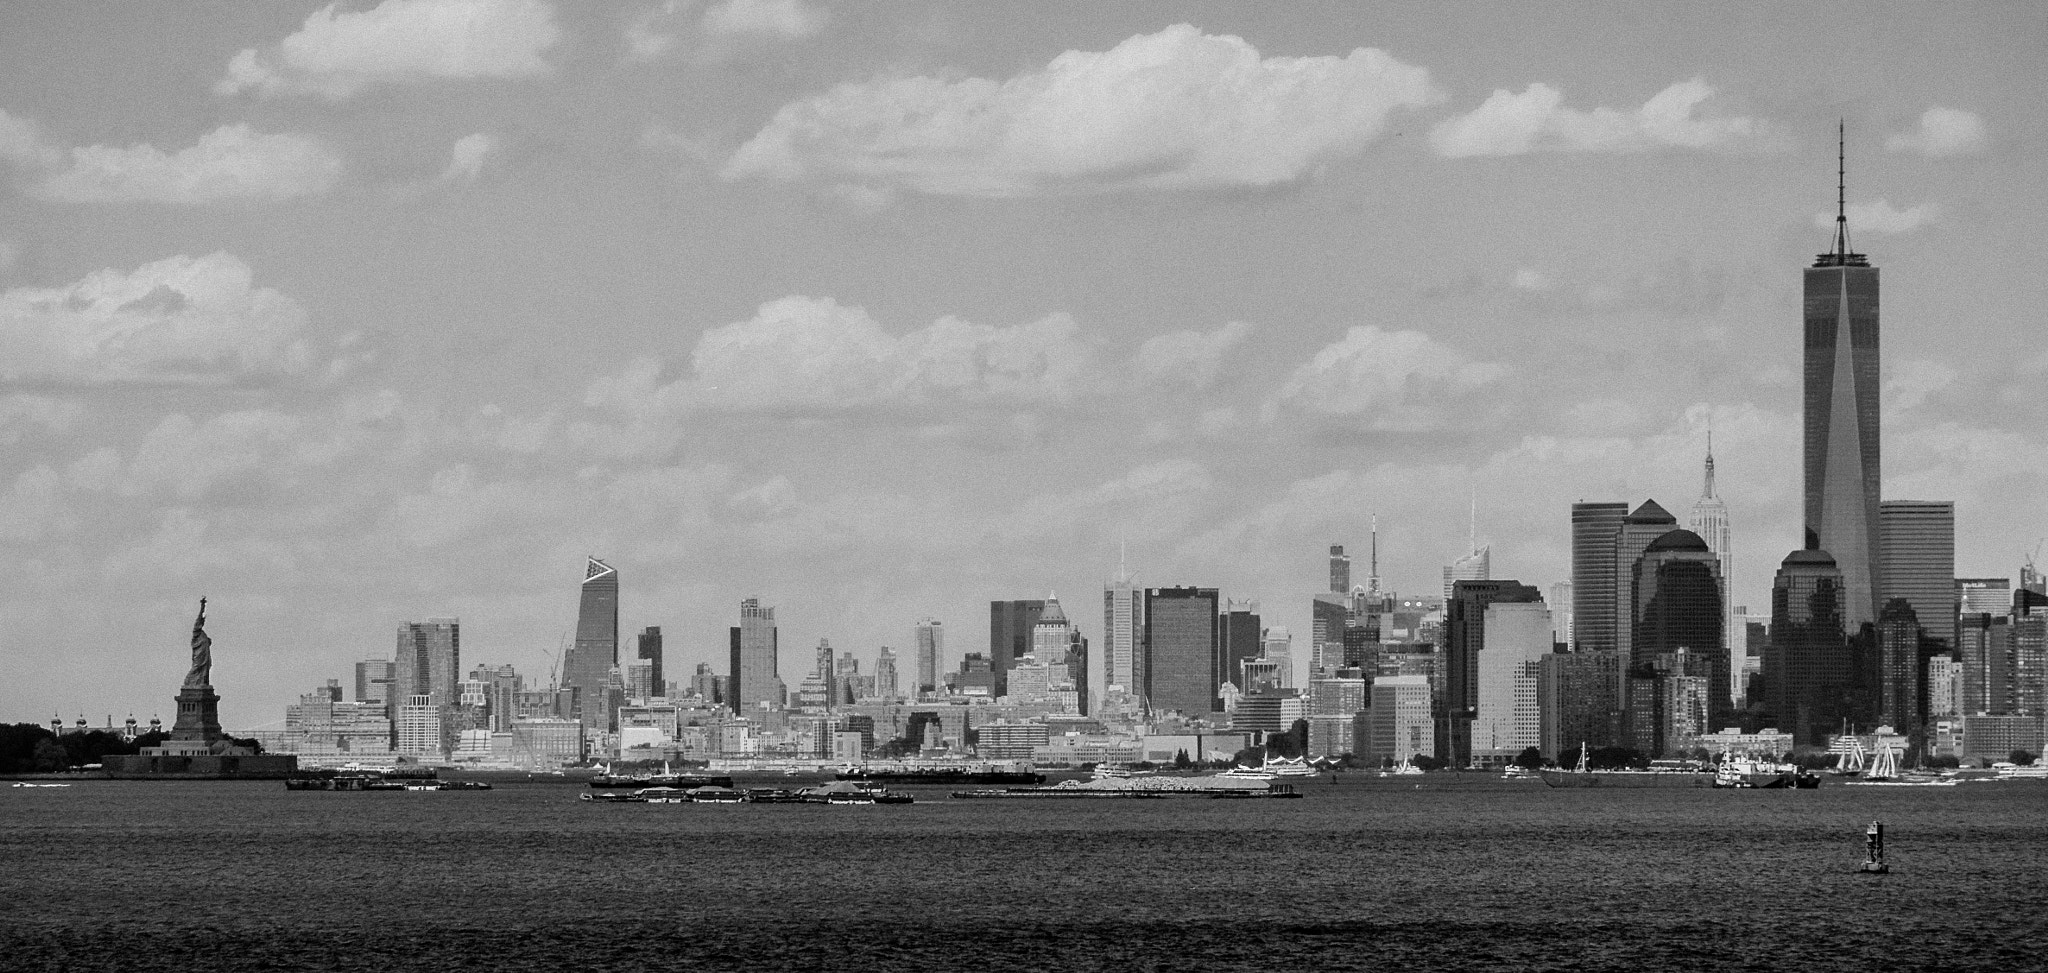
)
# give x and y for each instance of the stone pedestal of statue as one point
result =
(198, 716)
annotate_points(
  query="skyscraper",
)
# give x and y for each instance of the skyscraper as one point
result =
(1916, 542)
(1841, 416)
(1595, 525)
(373, 680)
(1465, 638)
(425, 670)
(596, 650)
(1709, 519)
(1639, 530)
(1476, 566)
(1340, 570)
(1181, 641)
(1009, 636)
(1900, 694)
(885, 674)
(1241, 641)
(1807, 667)
(930, 636)
(1679, 610)
(754, 678)
(1049, 634)
(649, 651)
(1123, 627)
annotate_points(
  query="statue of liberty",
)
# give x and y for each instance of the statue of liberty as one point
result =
(201, 674)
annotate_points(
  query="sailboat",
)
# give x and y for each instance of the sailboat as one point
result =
(1852, 763)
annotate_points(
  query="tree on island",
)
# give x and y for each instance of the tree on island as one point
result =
(1530, 758)
(1181, 760)
(2022, 758)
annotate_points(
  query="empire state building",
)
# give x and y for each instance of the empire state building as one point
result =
(1842, 416)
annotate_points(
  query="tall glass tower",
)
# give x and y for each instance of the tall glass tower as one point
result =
(1842, 417)
(596, 649)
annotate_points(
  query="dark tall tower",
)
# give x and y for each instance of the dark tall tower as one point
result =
(1808, 664)
(1240, 644)
(1340, 570)
(1679, 610)
(1183, 631)
(1465, 638)
(1639, 530)
(650, 652)
(1917, 561)
(1842, 417)
(596, 649)
(1594, 529)
(1009, 635)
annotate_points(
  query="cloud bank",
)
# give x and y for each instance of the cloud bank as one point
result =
(336, 55)
(1941, 133)
(1174, 109)
(1680, 116)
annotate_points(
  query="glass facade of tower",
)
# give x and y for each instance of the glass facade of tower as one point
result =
(931, 644)
(1638, 531)
(1807, 667)
(753, 675)
(1464, 639)
(1917, 562)
(1241, 643)
(1009, 635)
(591, 657)
(1182, 635)
(1594, 529)
(1900, 696)
(1841, 425)
(1679, 609)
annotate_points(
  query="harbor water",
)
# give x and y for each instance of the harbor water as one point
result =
(1364, 874)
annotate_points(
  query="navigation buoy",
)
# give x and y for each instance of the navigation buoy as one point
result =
(1873, 844)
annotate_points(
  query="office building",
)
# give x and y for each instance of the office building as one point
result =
(1399, 726)
(1944, 687)
(1182, 639)
(1123, 631)
(1506, 717)
(1808, 666)
(420, 727)
(1709, 519)
(373, 680)
(648, 650)
(1639, 530)
(885, 675)
(1476, 566)
(1841, 420)
(1577, 694)
(930, 637)
(1009, 635)
(1984, 649)
(1595, 528)
(1916, 544)
(588, 666)
(1242, 641)
(753, 678)
(1465, 637)
(1899, 640)
(1678, 608)
(1561, 610)
(428, 662)
(1340, 570)
(1983, 596)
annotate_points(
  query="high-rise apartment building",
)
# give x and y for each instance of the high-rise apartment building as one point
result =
(427, 663)
(930, 636)
(753, 677)
(1464, 638)
(588, 666)
(1009, 636)
(1595, 527)
(1916, 543)
(1841, 419)
(1182, 636)
(1808, 666)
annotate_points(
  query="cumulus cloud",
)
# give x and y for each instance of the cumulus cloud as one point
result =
(466, 159)
(335, 55)
(1178, 108)
(230, 162)
(1536, 120)
(1191, 358)
(178, 320)
(813, 355)
(1882, 217)
(1390, 380)
(1941, 132)
(764, 18)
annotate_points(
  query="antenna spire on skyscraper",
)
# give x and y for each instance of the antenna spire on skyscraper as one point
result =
(1710, 459)
(1842, 189)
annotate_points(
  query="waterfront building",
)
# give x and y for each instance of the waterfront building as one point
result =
(321, 729)
(1181, 641)
(1768, 742)
(373, 680)
(1709, 519)
(1399, 724)
(419, 727)
(1241, 640)
(1808, 666)
(1465, 630)
(591, 657)
(930, 637)
(1269, 711)
(1841, 420)
(1009, 741)
(1506, 716)
(1993, 737)
(1900, 639)
(545, 743)
(2030, 663)
(1678, 607)
(753, 679)
(1577, 698)
(1596, 526)
(428, 662)
(1639, 530)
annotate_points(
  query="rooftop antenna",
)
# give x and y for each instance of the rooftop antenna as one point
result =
(1372, 581)
(1842, 189)
(1710, 456)
(1472, 524)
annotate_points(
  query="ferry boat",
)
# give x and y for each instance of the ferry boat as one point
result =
(927, 773)
(1751, 773)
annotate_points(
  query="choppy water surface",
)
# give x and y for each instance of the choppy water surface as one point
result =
(1361, 875)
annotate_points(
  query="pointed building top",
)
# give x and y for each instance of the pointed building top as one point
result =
(1651, 512)
(596, 569)
(1709, 491)
(1841, 256)
(1053, 614)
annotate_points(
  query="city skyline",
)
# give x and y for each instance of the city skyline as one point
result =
(641, 292)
